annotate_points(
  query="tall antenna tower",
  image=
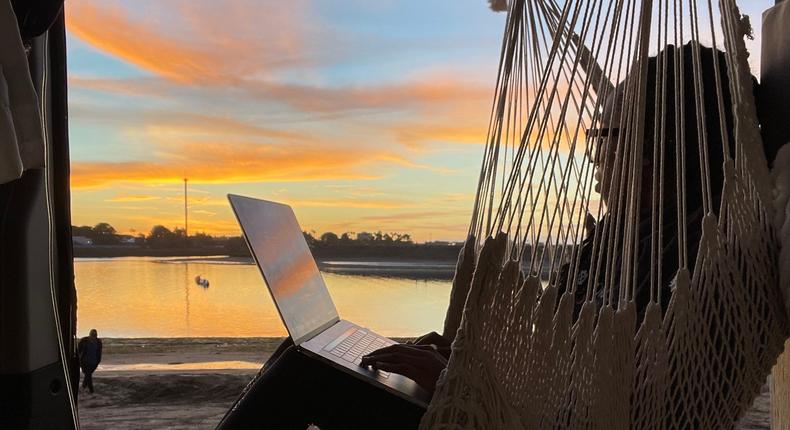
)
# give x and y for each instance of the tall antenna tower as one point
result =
(186, 215)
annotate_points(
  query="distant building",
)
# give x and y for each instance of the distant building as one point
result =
(127, 240)
(365, 236)
(441, 243)
(81, 241)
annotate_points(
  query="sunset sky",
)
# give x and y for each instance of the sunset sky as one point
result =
(363, 115)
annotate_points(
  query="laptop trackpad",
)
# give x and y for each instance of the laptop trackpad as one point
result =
(344, 344)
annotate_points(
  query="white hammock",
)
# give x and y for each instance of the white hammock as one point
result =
(667, 314)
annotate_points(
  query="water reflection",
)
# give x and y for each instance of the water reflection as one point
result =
(186, 297)
(143, 297)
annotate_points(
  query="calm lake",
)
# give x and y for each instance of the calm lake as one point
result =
(158, 297)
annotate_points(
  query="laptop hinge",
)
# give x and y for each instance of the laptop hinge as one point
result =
(317, 331)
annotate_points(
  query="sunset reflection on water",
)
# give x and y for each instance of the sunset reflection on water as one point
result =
(148, 297)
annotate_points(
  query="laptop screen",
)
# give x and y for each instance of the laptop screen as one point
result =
(288, 267)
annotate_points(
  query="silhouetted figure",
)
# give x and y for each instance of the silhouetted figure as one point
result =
(589, 225)
(89, 353)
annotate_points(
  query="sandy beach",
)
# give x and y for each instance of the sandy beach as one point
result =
(189, 383)
(178, 383)
(170, 383)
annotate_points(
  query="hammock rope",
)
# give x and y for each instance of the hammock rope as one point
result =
(620, 265)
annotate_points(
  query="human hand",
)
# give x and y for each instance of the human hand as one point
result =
(442, 343)
(421, 363)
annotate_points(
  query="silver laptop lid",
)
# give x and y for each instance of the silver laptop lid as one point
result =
(288, 268)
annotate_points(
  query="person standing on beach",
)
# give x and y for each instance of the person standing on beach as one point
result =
(89, 353)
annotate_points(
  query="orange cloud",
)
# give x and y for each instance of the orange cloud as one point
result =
(458, 197)
(110, 29)
(410, 216)
(200, 201)
(466, 122)
(415, 94)
(206, 44)
(124, 198)
(414, 135)
(234, 162)
(236, 45)
(367, 203)
(203, 212)
(175, 123)
(150, 86)
(423, 97)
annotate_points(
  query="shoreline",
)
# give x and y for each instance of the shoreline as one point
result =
(339, 250)
(124, 348)
(426, 269)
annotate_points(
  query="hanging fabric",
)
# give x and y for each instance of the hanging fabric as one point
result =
(21, 132)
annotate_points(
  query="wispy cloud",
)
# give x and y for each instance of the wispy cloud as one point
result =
(203, 212)
(124, 198)
(179, 123)
(458, 197)
(400, 95)
(417, 135)
(205, 43)
(415, 95)
(368, 203)
(235, 162)
(413, 216)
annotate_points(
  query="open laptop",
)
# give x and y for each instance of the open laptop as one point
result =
(303, 301)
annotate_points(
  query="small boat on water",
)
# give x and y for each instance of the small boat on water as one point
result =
(203, 282)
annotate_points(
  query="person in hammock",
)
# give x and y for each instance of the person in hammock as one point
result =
(607, 140)
(293, 391)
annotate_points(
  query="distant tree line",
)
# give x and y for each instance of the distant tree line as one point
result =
(364, 237)
(159, 237)
(102, 240)
(162, 237)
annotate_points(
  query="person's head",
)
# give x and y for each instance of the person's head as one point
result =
(664, 126)
(604, 140)
(93, 333)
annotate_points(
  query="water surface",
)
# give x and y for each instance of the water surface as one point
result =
(155, 297)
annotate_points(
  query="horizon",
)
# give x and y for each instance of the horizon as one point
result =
(395, 236)
(363, 117)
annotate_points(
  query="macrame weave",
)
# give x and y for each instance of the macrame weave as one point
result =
(621, 265)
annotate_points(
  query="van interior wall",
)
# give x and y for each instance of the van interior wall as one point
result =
(37, 295)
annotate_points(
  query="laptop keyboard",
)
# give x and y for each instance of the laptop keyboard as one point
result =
(352, 345)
